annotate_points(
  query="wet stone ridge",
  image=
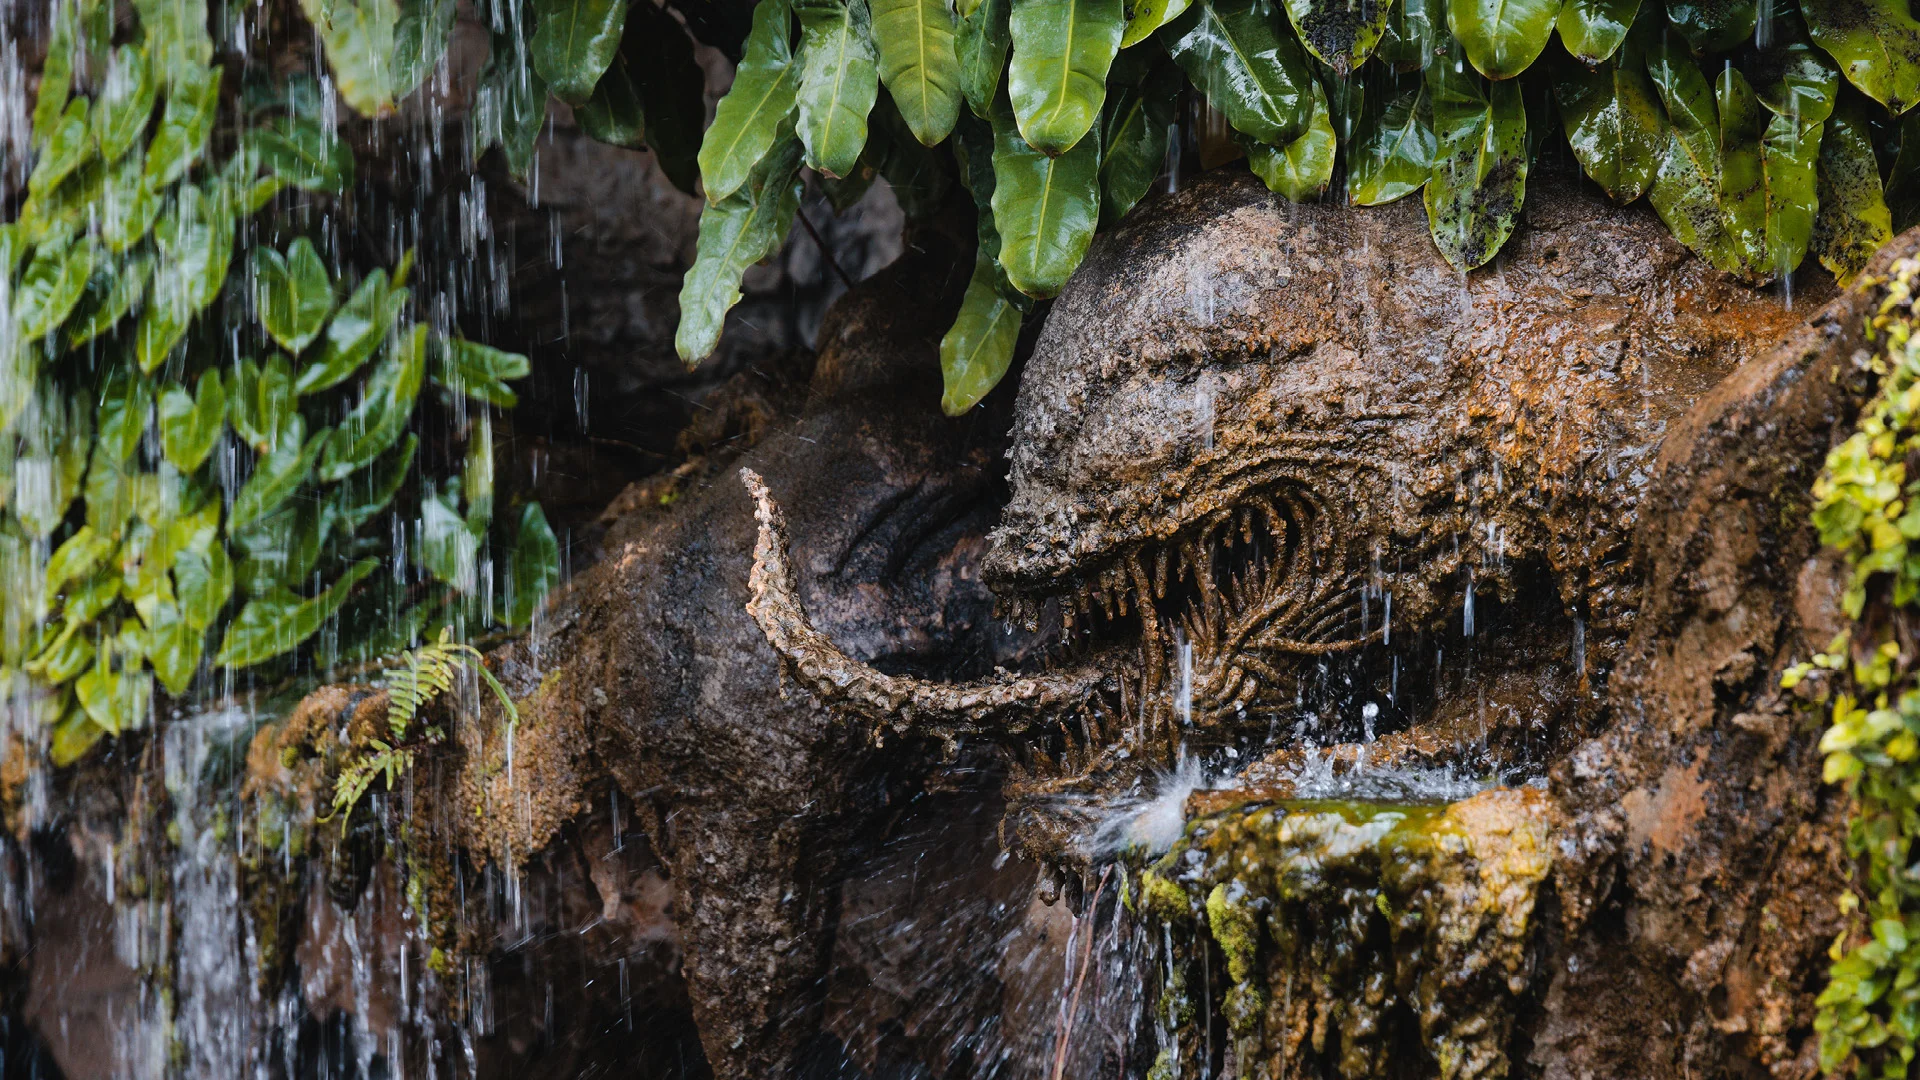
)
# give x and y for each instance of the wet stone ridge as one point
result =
(1356, 937)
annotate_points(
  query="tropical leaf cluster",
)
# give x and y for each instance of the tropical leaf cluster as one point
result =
(1865, 507)
(203, 445)
(1760, 132)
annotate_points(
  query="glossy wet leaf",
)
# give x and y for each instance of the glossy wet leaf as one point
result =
(128, 205)
(304, 154)
(1592, 30)
(1789, 162)
(1134, 133)
(76, 558)
(69, 146)
(359, 497)
(1877, 43)
(1613, 121)
(278, 621)
(1341, 33)
(126, 401)
(978, 348)
(195, 242)
(176, 36)
(1480, 163)
(70, 654)
(918, 64)
(1247, 64)
(1045, 208)
(448, 547)
(203, 581)
(1302, 169)
(981, 47)
(476, 473)
(839, 79)
(750, 117)
(574, 42)
(510, 103)
(735, 233)
(193, 97)
(1502, 38)
(535, 567)
(1057, 78)
(291, 294)
(379, 50)
(354, 332)
(1415, 29)
(56, 78)
(51, 287)
(117, 285)
(480, 371)
(1392, 155)
(385, 406)
(126, 102)
(1853, 221)
(616, 114)
(281, 549)
(173, 646)
(115, 698)
(190, 422)
(1714, 25)
(261, 404)
(275, 476)
(1146, 16)
(73, 736)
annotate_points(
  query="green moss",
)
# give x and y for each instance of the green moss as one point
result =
(1164, 900)
(1234, 928)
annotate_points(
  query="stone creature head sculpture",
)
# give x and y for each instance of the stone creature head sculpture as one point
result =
(1270, 464)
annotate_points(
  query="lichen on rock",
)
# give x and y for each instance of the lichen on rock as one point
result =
(1352, 930)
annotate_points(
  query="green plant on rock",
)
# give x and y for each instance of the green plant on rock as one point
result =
(429, 672)
(1867, 507)
(176, 496)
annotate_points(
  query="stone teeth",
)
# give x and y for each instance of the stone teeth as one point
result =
(1160, 574)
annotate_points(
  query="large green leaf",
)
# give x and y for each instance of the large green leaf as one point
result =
(1714, 25)
(1415, 29)
(126, 401)
(292, 294)
(978, 348)
(359, 497)
(304, 154)
(191, 422)
(1302, 169)
(117, 285)
(1045, 208)
(1134, 133)
(117, 696)
(510, 103)
(918, 64)
(480, 371)
(1057, 78)
(1789, 163)
(534, 569)
(280, 620)
(195, 242)
(275, 476)
(203, 580)
(981, 49)
(1146, 16)
(920, 176)
(735, 233)
(616, 114)
(53, 284)
(261, 403)
(1854, 221)
(1592, 30)
(1614, 124)
(128, 206)
(1502, 37)
(1341, 33)
(1877, 43)
(751, 116)
(358, 328)
(56, 77)
(386, 404)
(1247, 65)
(69, 146)
(1392, 155)
(1480, 163)
(449, 548)
(177, 40)
(173, 645)
(186, 123)
(839, 78)
(126, 102)
(575, 42)
(380, 50)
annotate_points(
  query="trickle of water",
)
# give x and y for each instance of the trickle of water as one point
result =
(1183, 685)
(1466, 610)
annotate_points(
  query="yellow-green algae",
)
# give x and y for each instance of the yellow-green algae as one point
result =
(1351, 930)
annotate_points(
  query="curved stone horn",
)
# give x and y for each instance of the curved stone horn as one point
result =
(1004, 703)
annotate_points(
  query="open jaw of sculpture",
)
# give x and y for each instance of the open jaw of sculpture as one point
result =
(1315, 519)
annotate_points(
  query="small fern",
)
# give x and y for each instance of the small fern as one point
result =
(429, 672)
